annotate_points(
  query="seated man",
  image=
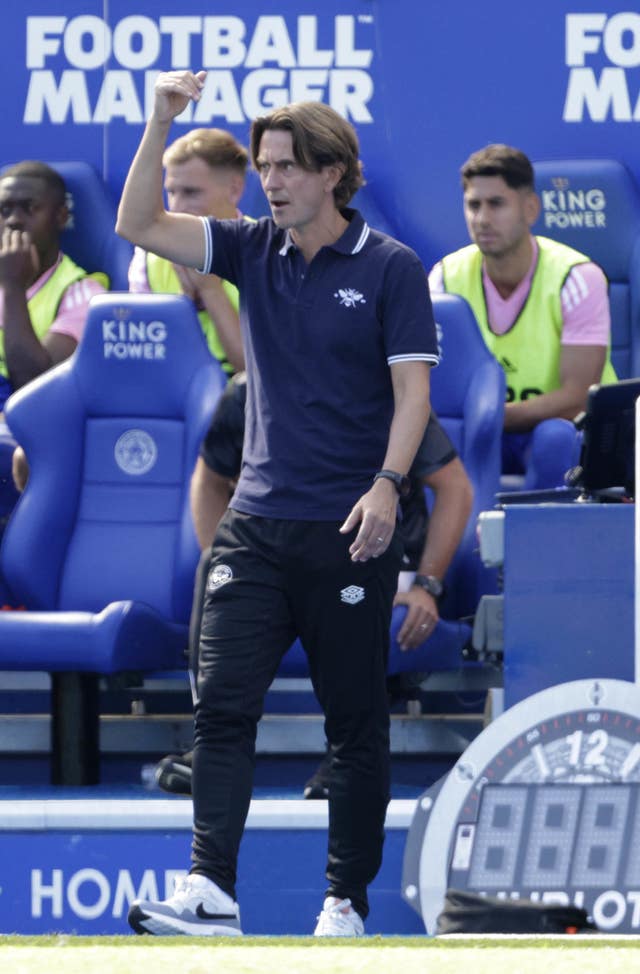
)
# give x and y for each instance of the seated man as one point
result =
(205, 174)
(542, 307)
(44, 294)
(428, 553)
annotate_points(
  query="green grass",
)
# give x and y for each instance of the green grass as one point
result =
(304, 955)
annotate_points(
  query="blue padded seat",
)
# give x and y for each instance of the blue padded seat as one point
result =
(593, 205)
(554, 450)
(89, 237)
(467, 393)
(8, 492)
(91, 241)
(100, 547)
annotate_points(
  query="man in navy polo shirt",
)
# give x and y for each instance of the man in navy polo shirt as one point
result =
(339, 340)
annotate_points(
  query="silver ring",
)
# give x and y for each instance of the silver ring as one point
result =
(424, 625)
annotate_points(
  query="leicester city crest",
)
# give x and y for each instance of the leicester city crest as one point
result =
(135, 452)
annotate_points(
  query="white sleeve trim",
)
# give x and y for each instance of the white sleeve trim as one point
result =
(414, 357)
(208, 247)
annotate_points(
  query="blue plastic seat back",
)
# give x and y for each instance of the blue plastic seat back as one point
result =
(89, 237)
(112, 436)
(253, 202)
(366, 202)
(593, 205)
(467, 392)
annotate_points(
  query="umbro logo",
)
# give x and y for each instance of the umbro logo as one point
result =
(349, 297)
(352, 594)
(204, 915)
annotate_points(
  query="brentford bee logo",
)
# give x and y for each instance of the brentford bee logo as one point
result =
(349, 297)
(219, 575)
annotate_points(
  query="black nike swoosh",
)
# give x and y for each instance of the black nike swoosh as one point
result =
(202, 913)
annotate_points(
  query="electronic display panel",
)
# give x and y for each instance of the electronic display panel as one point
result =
(532, 839)
(544, 804)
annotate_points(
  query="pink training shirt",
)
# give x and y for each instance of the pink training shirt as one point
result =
(586, 318)
(72, 311)
(138, 279)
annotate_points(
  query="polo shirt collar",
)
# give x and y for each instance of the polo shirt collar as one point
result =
(351, 242)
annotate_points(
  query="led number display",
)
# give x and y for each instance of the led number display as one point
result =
(544, 804)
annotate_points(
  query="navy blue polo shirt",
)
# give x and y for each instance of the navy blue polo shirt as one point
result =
(319, 339)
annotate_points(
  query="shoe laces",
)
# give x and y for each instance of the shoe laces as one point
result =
(199, 887)
(339, 914)
(183, 885)
(190, 885)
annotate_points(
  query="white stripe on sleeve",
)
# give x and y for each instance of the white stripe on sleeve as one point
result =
(575, 290)
(414, 357)
(208, 247)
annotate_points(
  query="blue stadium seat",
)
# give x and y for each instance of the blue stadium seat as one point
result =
(91, 241)
(554, 450)
(89, 237)
(100, 547)
(253, 202)
(468, 392)
(594, 206)
(8, 493)
(366, 203)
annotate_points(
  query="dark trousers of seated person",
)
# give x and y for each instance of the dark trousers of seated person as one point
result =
(270, 581)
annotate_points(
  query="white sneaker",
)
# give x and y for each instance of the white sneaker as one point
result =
(338, 919)
(198, 908)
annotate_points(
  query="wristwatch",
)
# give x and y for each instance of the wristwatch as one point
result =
(430, 584)
(400, 481)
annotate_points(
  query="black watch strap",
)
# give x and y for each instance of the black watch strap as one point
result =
(430, 584)
(399, 480)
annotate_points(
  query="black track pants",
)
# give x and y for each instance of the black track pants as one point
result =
(269, 581)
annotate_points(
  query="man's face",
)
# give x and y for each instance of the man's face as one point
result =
(27, 204)
(197, 188)
(297, 197)
(498, 217)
